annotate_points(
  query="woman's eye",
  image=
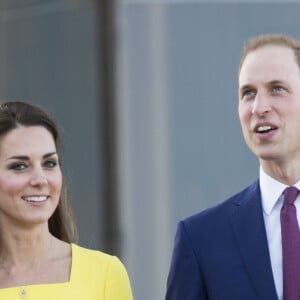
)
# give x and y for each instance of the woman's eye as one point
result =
(50, 164)
(18, 166)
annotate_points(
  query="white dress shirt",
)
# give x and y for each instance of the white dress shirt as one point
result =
(272, 199)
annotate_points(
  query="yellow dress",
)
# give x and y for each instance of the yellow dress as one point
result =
(94, 276)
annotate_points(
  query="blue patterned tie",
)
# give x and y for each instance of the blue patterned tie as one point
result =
(290, 245)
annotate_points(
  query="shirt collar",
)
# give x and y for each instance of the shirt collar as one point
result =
(270, 189)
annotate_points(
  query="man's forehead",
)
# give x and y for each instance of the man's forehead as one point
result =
(269, 64)
(270, 54)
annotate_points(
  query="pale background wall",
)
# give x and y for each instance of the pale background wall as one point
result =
(179, 143)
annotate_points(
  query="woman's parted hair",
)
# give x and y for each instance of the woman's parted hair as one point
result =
(14, 114)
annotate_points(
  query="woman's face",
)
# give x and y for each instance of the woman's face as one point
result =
(30, 177)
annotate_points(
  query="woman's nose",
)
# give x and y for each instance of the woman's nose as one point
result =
(38, 178)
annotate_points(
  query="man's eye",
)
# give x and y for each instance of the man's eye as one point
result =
(50, 164)
(278, 88)
(18, 166)
(248, 93)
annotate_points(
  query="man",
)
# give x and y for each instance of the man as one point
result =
(237, 250)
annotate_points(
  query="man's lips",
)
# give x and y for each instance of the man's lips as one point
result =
(264, 128)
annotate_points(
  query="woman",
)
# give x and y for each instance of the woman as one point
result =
(38, 257)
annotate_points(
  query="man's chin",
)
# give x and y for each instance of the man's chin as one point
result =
(269, 155)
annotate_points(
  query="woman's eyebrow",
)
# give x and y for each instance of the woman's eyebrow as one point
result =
(25, 157)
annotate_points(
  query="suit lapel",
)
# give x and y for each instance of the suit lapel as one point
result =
(248, 225)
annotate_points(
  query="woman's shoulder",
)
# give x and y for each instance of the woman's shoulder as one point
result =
(92, 257)
(87, 252)
(106, 268)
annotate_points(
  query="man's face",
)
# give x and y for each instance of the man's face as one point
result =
(269, 103)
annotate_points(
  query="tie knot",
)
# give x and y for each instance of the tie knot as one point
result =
(290, 195)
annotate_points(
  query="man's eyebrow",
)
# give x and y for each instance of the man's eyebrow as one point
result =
(276, 81)
(25, 157)
(245, 87)
(271, 82)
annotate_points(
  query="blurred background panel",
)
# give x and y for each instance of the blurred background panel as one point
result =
(50, 55)
(145, 93)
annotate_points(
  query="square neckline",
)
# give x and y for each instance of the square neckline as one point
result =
(36, 285)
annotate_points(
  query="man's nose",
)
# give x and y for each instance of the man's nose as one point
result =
(261, 104)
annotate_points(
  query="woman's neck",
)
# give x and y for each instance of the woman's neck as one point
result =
(24, 247)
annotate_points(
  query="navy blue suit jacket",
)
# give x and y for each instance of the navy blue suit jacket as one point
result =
(222, 253)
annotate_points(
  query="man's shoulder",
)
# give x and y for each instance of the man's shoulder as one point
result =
(221, 210)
